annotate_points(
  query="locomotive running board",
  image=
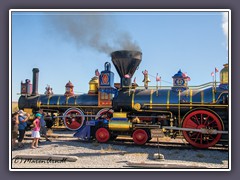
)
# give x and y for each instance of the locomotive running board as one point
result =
(203, 131)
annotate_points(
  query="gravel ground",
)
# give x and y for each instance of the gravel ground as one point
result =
(98, 156)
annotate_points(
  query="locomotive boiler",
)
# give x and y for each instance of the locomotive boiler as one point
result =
(199, 114)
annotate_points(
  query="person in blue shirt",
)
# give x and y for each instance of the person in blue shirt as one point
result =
(43, 129)
(23, 118)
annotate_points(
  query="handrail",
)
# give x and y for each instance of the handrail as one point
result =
(205, 85)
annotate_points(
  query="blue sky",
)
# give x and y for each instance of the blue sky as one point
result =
(71, 45)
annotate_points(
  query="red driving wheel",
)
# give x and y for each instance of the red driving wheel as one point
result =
(140, 136)
(73, 118)
(102, 135)
(202, 119)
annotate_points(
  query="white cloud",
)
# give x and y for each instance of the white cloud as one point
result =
(225, 26)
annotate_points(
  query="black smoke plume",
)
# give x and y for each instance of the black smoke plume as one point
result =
(94, 30)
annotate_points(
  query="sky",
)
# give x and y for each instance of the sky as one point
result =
(71, 45)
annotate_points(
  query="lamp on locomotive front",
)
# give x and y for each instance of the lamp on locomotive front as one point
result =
(69, 89)
(224, 77)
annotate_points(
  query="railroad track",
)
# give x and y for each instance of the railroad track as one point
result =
(165, 142)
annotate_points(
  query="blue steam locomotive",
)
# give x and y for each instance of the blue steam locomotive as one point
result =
(199, 114)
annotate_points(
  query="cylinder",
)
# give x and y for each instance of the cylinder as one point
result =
(119, 125)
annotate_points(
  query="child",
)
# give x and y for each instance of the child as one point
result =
(35, 132)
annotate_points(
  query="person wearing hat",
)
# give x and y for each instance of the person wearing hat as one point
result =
(36, 131)
(23, 118)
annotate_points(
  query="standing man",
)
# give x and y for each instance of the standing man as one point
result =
(43, 129)
(23, 118)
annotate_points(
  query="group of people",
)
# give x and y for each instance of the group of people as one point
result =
(19, 125)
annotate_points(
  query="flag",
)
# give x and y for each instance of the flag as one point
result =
(212, 74)
(184, 74)
(127, 76)
(158, 78)
(134, 81)
(97, 72)
(216, 70)
(145, 72)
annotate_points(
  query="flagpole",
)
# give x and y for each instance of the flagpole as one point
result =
(215, 82)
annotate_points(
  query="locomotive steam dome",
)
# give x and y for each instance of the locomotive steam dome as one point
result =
(126, 63)
(93, 85)
(224, 74)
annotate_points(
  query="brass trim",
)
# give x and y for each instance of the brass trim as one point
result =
(151, 98)
(191, 95)
(179, 107)
(213, 95)
(38, 104)
(133, 94)
(58, 100)
(48, 101)
(202, 97)
(168, 97)
(76, 106)
(224, 92)
(137, 106)
(119, 115)
(208, 105)
(191, 98)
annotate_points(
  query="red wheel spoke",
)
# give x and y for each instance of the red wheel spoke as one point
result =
(210, 123)
(201, 138)
(201, 119)
(194, 134)
(191, 124)
(197, 119)
(206, 120)
(197, 137)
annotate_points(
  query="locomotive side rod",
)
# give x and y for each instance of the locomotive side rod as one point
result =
(203, 131)
(70, 116)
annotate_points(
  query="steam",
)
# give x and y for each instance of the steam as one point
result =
(96, 31)
(225, 26)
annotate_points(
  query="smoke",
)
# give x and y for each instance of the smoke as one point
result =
(96, 31)
(225, 26)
